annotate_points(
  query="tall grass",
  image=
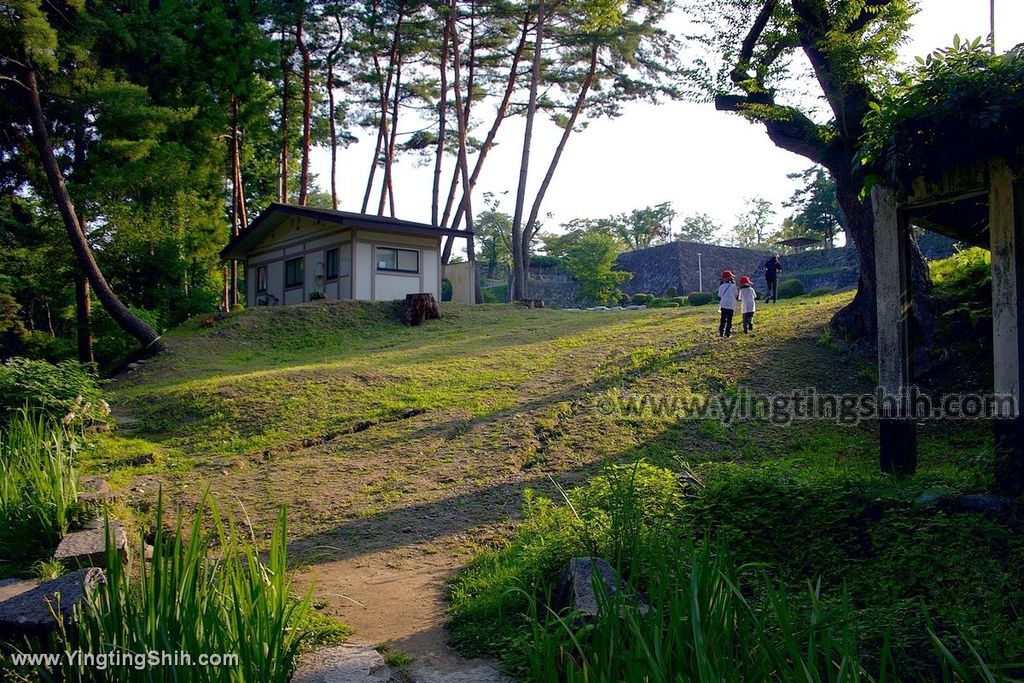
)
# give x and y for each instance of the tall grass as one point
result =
(37, 486)
(209, 595)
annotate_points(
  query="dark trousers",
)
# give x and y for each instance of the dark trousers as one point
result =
(725, 324)
(773, 289)
(748, 322)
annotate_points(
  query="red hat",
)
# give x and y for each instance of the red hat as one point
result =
(726, 274)
(744, 280)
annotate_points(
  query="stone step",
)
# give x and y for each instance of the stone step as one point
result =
(347, 663)
(94, 490)
(87, 548)
(27, 608)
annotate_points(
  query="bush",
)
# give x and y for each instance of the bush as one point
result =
(821, 291)
(790, 288)
(317, 295)
(701, 298)
(671, 292)
(238, 308)
(624, 299)
(112, 345)
(662, 303)
(679, 300)
(37, 487)
(446, 290)
(58, 392)
(642, 299)
(495, 295)
(213, 594)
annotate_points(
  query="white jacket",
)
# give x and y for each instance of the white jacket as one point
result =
(746, 296)
(727, 296)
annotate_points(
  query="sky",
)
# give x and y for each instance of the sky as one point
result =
(699, 159)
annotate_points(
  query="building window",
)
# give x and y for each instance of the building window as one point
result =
(331, 264)
(294, 274)
(398, 260)
(261, 279)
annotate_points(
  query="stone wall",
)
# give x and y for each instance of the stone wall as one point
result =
(676, 265)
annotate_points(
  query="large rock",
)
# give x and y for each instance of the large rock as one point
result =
(94, 490)
(348, 663)
(28, 608)
(87, 548)
(575, 588)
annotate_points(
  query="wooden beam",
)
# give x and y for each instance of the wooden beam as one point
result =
(897, 432)
(1006, 230)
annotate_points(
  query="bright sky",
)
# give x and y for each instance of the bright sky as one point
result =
(700, 159)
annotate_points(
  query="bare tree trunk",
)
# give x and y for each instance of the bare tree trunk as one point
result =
(385, 98)
(83, 315)
(442, 106)
(530, 229)
(332, 113)
(285, 72)
(462, 112)
(243, 217)
(518, 265)
(488, 143)
(307, 109)
(122, 315)
(235, 174)
(389, 159)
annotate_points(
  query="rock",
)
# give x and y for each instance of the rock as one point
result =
(575, 588)
(348, 663)
(88, 547)
(97, 427)
(132, 367)
(143, 459)
(30, 611)
(987, 504)
(94, 490)
(480, 673)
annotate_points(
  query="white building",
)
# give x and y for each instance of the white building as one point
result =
(290, 252)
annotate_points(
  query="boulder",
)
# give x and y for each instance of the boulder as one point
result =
(94, 490)
(142, 459)
(29, 609)
(88, 547)
(575, 588)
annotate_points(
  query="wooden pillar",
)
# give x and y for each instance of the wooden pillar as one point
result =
(897, 431)
(1006, 232)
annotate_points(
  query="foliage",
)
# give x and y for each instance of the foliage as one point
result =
(701, 298)
(446, 289)
(963, 283)
(111, 345)
(671, 292)
(640, 298)
(37, 486)
(790, 288)
(317, 295)
(817, 213)
(793, 598)
(700, 228)
(59, 392)
(820, 291)
(754, 226)
(590, 260)
(642, 228)
(207, 592)
(959, 106)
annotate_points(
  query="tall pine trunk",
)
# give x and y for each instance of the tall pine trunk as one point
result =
(282, 195)
(83, 326)
(442, 107)
(333, 112)
(307, 109)
(122, 315)
(519, 266)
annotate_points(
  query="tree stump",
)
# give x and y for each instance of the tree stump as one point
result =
(419, 307)
(532, 303)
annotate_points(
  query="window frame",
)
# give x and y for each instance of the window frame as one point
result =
(261, 279)
(302, 273)
(396, 269)
(327, 264)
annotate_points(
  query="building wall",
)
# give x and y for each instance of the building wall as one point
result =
(358, 276)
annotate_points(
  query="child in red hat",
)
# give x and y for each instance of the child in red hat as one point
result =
(726, 303)
(746, 296)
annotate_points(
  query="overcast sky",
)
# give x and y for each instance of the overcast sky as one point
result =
(700, 159)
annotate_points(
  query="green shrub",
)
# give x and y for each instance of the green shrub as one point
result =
(790, 288)
(662, 303)
(624, 299)
(316, 295)
(112, 346)
(446, 290)
(211, 594)
(679, 300)
(495, 295)
(39, 345)
(37, 487)
(641, 299)
(671, 292)
(821, 291)
(239, 307)
(701, 298)
(59, 392)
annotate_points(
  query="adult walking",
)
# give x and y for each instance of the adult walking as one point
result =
(772, 268)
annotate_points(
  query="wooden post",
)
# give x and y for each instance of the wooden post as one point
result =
(897, 429)
(1006, 232)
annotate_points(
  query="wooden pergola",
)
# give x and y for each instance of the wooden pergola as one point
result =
(981, 204)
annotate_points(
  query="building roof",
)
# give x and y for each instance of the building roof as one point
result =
(275, 214)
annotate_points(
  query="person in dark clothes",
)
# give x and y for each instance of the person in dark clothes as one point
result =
(726, 303)
(772, 268)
